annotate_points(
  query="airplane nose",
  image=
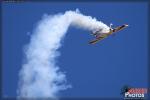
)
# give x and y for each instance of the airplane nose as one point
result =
(126, 25)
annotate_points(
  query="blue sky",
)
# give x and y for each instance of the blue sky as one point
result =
(99, 70)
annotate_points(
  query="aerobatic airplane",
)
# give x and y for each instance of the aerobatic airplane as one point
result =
(100, 36)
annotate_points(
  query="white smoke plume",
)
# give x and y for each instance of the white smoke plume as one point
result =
(40, 76)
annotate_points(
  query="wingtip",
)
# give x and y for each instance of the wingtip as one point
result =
(91, 42)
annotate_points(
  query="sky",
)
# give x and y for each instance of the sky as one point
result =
(99, 70)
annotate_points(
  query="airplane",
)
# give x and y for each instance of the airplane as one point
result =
(100, 36)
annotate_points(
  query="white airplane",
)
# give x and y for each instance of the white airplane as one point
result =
(100, 36)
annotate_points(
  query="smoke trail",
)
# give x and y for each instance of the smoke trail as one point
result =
(40, 76)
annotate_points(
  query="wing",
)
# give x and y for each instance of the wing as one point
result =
(119, 28)
(96, 40)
